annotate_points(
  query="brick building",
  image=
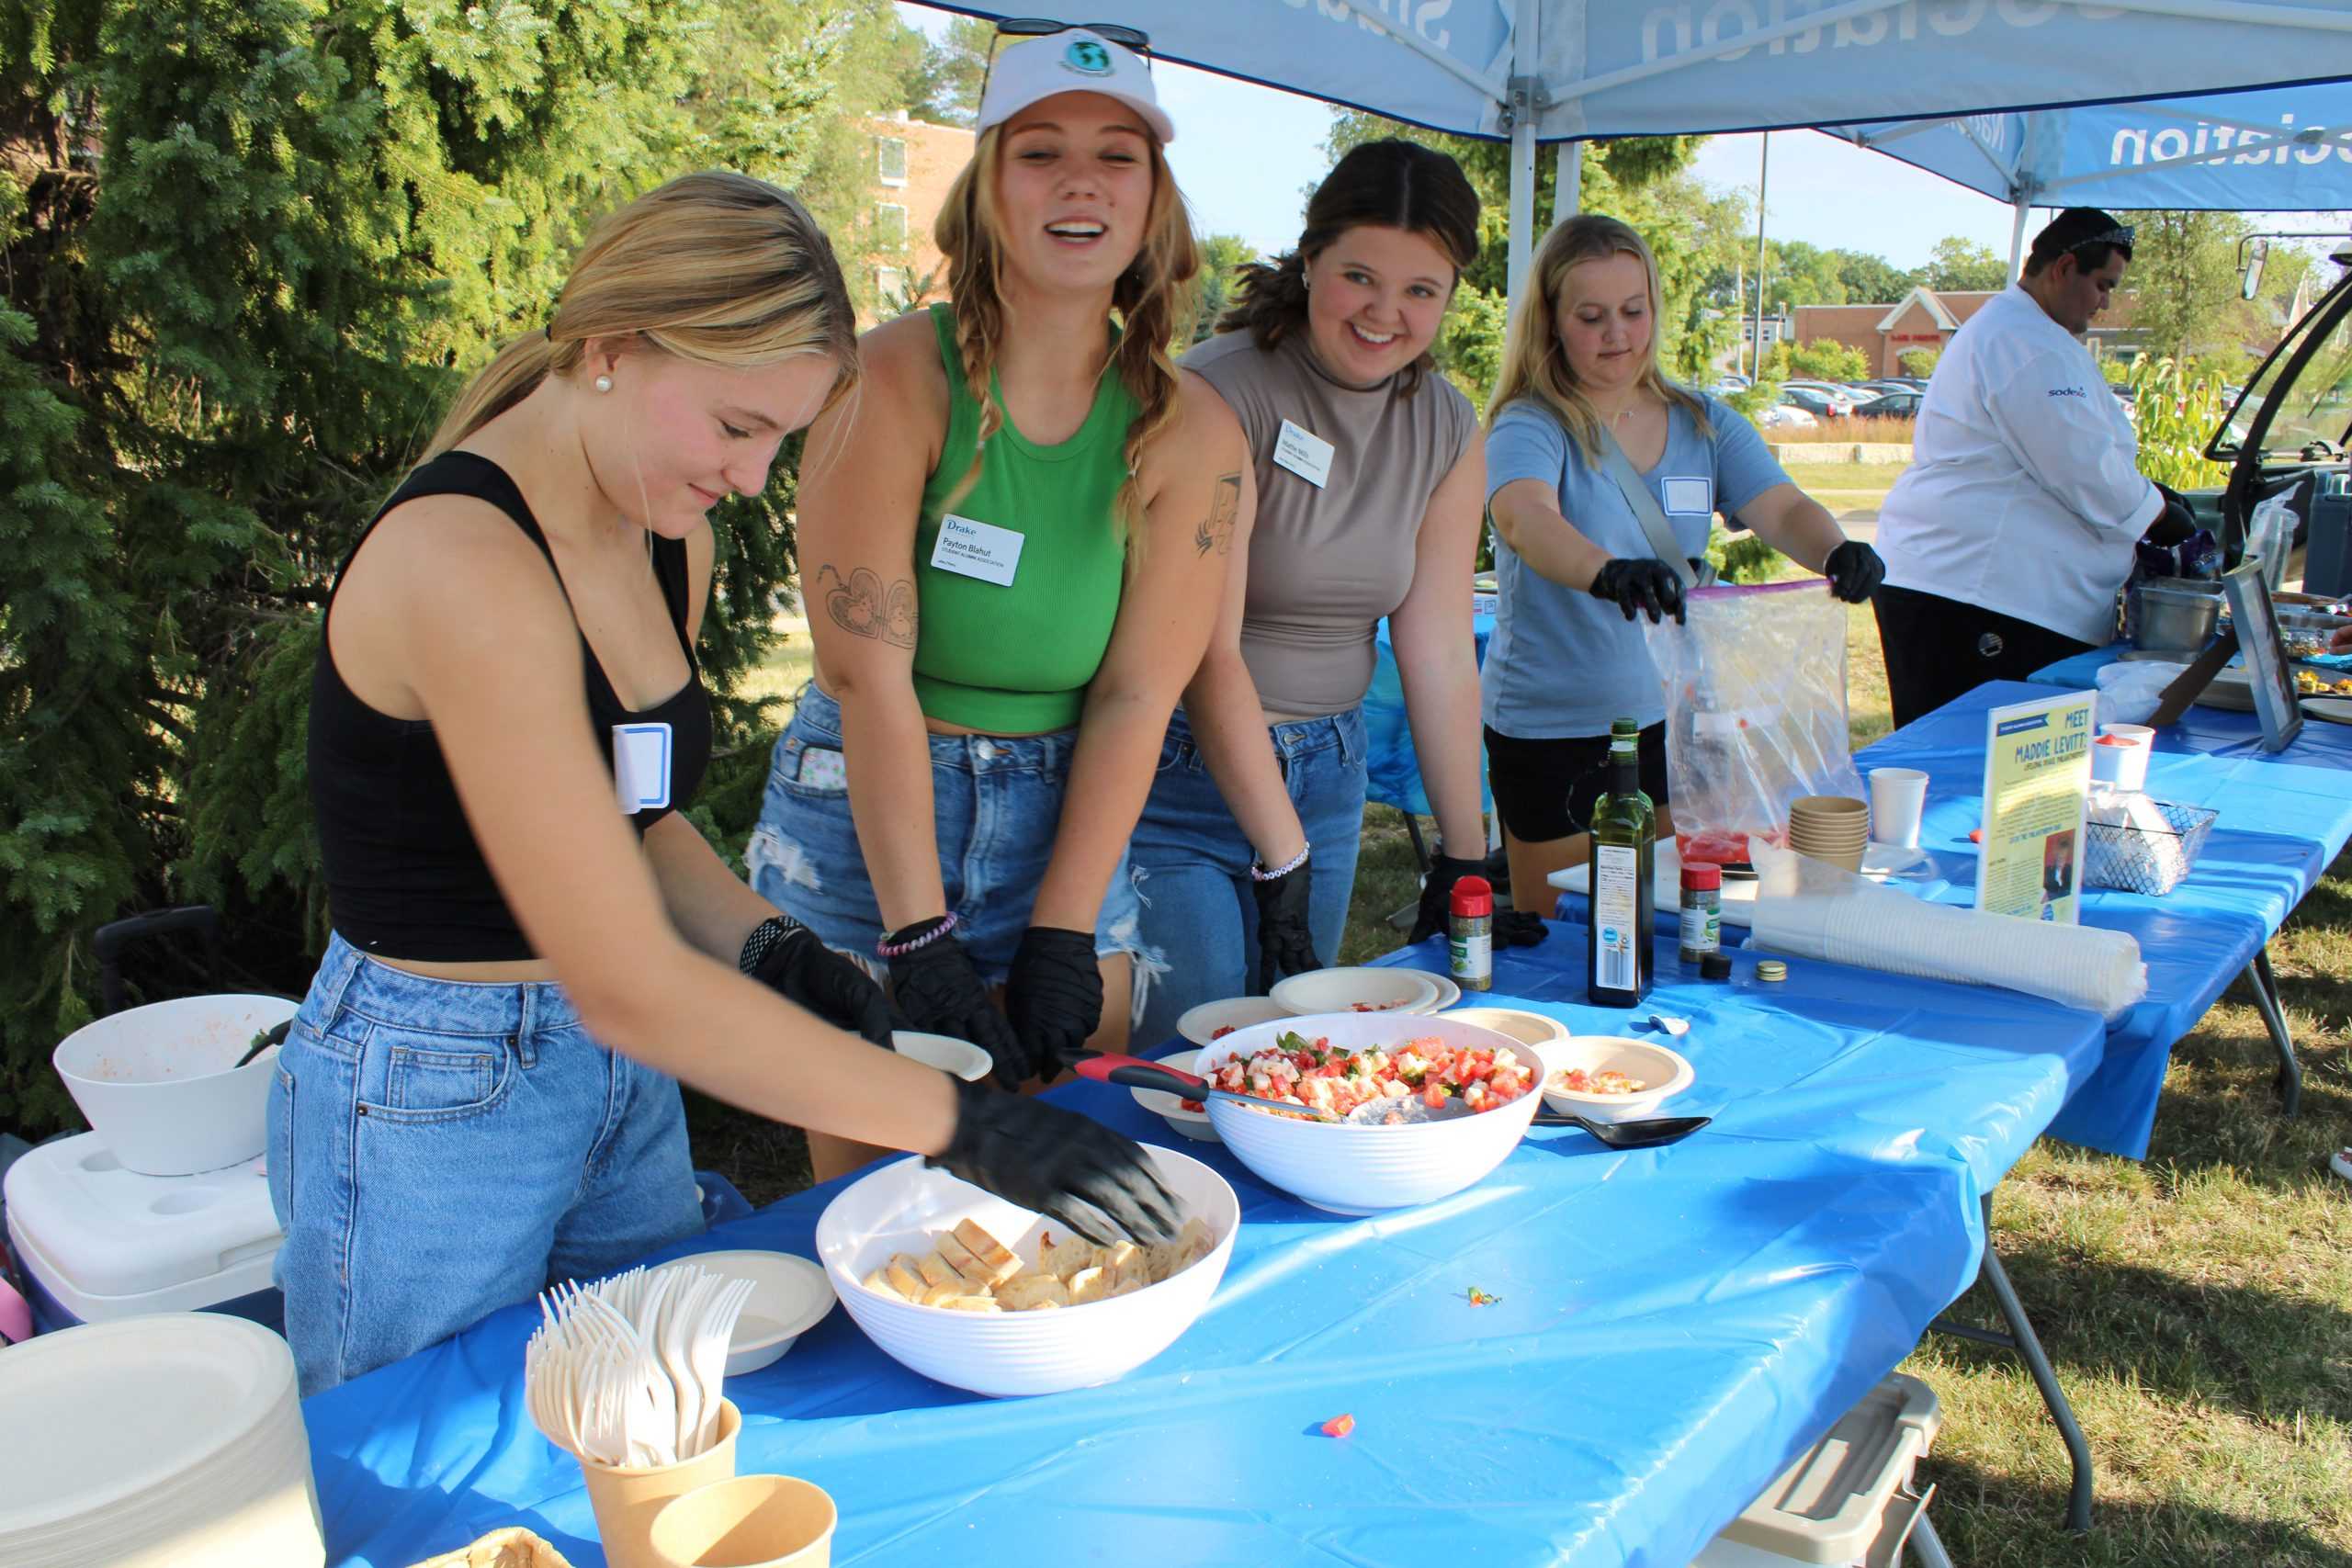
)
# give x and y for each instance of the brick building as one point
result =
(914, 161)
(1925, 318)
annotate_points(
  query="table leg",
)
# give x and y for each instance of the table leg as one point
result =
(2021, 1338)
(2265, 986)
(1927, 1547)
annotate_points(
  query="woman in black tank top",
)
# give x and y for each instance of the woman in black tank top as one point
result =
(478, 1094)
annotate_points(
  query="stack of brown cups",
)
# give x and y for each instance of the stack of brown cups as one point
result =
(1832, 828)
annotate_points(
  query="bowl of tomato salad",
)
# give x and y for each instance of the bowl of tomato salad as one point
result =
(1612, 1079)
(1338, 1063)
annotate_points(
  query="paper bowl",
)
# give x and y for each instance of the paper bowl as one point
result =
(789, 1296)
(1201, 1023)
(1341, 990)
(949, 1055)
(1160, 1102)
(1665, 1072)
(161, 1084)
(1527, 1028)
(896, 1207)
(1369, 1170)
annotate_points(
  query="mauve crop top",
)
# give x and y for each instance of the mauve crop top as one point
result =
(405, 878)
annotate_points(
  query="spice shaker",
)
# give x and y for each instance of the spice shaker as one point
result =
(1470, 934)
(1702, 910)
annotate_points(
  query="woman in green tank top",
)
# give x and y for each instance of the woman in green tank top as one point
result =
(1013, 543)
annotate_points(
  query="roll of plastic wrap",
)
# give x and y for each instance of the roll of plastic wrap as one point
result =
(1806, 909)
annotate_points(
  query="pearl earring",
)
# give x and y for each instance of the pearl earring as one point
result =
(604, 383)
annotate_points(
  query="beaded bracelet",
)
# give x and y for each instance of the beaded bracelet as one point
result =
(1258, 873)
(886, 948)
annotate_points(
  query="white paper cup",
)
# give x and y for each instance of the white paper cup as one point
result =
(1898, 796)
(2123, 767)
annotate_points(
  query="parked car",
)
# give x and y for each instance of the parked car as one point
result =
(1904, 404)
(1785, 416)
(1880, 388)
(1818, 402)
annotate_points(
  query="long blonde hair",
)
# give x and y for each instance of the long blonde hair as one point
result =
(1154, 299)
(1535, 365)
(717, 268)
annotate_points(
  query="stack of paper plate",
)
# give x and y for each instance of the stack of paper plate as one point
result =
(172, 1441)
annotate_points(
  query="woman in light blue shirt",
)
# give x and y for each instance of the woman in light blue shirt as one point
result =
(1574, 563)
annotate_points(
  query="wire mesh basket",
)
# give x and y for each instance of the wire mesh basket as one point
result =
(2143, 857)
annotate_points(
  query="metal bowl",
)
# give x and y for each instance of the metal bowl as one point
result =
(2173, 616)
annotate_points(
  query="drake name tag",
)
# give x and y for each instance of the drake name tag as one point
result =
(641, 766)
(1304, 453)
(969, 548)
(1691, 496)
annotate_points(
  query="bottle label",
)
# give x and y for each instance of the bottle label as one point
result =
(1616, 912)
(1472, 959)
(1699, 930)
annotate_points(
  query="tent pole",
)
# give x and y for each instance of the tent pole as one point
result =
(2017, 234)
(1567, 181)
(1524, 62)
(1763, 185)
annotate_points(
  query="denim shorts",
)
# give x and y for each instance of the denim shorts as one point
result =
(1191, 863)
(440, 1149)
(997, 801)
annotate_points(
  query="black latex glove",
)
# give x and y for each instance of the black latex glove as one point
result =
(1285, 946)
(1437, 894)
(940, 992)
(1057, 1163)
(804, 970)
(1637, 586)
(1054, 996)
(2176, 523)
(1854, 571)
(1518, 928)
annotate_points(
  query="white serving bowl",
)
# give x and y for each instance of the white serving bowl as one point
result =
(789, 1296)
(161, 1084)
(1368, 1170)
(1160, 1102)
(946, 1053)
(1201, 1023)
(898, 1207)
(1527, 1028)
(1665, 1072)
(1338, 990)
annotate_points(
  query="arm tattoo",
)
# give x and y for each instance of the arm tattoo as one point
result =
(1216, 531)
(863, 607)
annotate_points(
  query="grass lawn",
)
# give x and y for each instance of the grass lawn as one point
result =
(2197, 1307)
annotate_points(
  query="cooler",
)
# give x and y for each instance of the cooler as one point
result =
(1848, 1500)
(95, 1242)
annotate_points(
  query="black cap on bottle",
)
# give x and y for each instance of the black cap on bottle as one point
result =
(1715, 967)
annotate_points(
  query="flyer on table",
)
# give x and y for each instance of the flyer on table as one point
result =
(2037, 780)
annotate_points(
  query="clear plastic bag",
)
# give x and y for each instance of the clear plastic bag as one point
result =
(1755, 712)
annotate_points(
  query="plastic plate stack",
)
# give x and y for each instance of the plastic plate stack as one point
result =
(173, 1441)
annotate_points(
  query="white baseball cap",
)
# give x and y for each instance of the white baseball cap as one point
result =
(1073, 60)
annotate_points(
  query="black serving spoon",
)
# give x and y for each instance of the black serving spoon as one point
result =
(1643, 1135)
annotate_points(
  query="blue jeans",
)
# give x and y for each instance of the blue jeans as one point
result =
(996, 802)
(439, 1149)
(1191, 863)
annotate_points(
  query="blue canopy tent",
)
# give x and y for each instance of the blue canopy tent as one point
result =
(1530, 71)
(2281, 149)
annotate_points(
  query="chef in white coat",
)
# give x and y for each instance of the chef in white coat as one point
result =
(2007, 538)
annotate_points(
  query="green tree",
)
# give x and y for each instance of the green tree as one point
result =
(1964, 265)
(1221, 256)
(2184, 282)
(1799, 274)
(1823, 359)
(944, 85)
(1872, 280)
(1919, 361)
(247, 249)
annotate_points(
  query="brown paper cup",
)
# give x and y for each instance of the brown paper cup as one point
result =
(627, 1500)
(1850, 858)
(752, 1522)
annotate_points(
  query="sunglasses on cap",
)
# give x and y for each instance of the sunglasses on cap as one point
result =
(2118, 235)
(1019, 27)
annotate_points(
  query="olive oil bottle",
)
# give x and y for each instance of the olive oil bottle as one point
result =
(1625, 735)
(1619, 942)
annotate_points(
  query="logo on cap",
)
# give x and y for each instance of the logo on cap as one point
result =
(1087, 57)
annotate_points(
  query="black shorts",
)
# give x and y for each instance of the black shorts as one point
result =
(1544, 789)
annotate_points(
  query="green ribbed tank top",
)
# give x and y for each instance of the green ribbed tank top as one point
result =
(1016, 659)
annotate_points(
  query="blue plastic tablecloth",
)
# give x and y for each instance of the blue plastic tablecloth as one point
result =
(1393, 770)
(1672, 1326)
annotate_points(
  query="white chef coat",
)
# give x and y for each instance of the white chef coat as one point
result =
(2023, 495)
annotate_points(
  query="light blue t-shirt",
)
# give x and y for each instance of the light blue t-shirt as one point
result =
(1562, 664)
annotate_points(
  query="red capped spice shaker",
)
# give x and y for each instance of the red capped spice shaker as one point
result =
(1470, 934)
(1702, 910)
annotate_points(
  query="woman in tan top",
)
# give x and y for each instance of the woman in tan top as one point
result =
(1365, 491)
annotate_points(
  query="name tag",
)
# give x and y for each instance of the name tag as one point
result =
(641, 766)
(1690, 496)
(1304, 453)
(969, 548)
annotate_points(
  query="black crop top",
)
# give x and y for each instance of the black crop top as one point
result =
(404, 877)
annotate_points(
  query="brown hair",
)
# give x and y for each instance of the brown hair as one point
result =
(1390, 184)
(717, 268)
(1154, 301)
(1535, 365)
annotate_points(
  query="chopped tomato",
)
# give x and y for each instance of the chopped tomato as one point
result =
(1338, 1425)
